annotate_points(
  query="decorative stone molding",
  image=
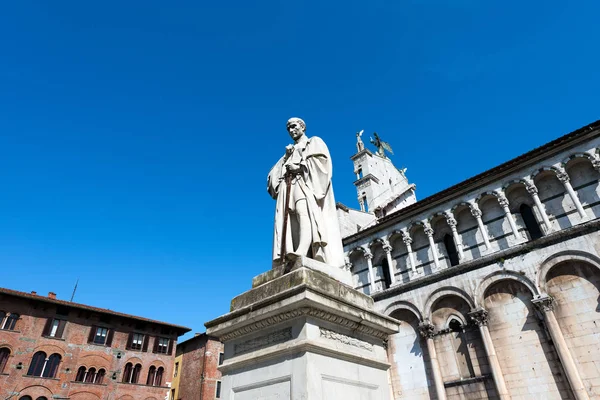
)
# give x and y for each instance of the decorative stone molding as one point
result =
(562, 176)
(427, 330)
(450, 220)
(305, 312)
(479, 316)
(367, 253)
(387, 248)
(531, 189)
(596, 164)
(276, 337)
(345, 339)
(428, 230)
(407, 240)
(475, 211)
(502, 200)
(544, 303)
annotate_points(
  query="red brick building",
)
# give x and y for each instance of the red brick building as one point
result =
(196, 363)
(54, 349)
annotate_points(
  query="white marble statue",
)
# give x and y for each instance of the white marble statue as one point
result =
(310, 225)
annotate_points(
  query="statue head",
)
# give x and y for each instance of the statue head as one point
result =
(296, 128)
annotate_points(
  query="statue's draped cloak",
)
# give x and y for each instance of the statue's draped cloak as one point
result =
(315, 183)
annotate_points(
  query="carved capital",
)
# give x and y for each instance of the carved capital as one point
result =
(562, 176)
(407, 239)
(348, 266)
(427, 330)
(475, 211)
(450, 220)
(531, 188)
(544, 303)
(428, 231)
(479, 316)
(502, 200)
(367, 253)
(596, 163)
(387, 247)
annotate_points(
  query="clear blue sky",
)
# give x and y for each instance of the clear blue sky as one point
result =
(135, 137)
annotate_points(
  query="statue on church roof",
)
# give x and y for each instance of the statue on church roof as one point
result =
(381, 145)
(306, 222)
(360, 146)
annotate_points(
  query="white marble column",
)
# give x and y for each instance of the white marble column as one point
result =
(411, 255)
(530, 186)
(480, 317)
(427, 331)
(563, 177)
(429, 232)
(476, 212)
(452, 224)
(369, 257)
(503, 201)
(388, 254)
(361, 202)
(545, 304)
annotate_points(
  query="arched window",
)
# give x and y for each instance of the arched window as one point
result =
(451, 249)
(42, 398)
(4, 354)
(2, 316)
(127, 372)
(461, 351)
(11, 322)
(136, 373)
(25, 398)
(100, 376)
(51, 366)
(531, 224)
(159, 376)
(385, 270)
(80, 374)
(151, 376)
(91, 375)
(37, 364)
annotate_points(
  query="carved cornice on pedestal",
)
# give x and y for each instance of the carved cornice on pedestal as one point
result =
(479, 316)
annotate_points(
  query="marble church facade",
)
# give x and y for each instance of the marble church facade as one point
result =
(495, 281)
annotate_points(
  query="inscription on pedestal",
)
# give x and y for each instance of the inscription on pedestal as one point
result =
(345, 339)
(263, 341)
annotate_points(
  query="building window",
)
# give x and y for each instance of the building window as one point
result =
(175, 372)
(10, 322)
(137, 341)
(221, 358)
(42, 366)
(451, 249)
(25, 398)
(385, 270)
(4, 354)
(80, 377)
(218, 391)
(151, 376)
(54, 327)
(100, 335)
(127, 372)
(531, 224)
(100, 376)
(135, 377)
(162, 345)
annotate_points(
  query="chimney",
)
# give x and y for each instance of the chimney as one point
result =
(52, 295)
(34, 292)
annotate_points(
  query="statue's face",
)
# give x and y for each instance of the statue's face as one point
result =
(295, 129)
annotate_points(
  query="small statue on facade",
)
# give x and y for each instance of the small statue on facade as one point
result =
(306, 222)
(360, 146)
(381, 145)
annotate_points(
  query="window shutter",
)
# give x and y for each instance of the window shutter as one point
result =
(129, 340)
(145, 344)
(46, 330)
(92, 334)
(61, 328)
(109, 337)
(170, 348)
(155, 348)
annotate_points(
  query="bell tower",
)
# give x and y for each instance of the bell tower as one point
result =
(381, 187)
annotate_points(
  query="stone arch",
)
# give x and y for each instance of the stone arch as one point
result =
(84, 396)
(560, 257)
(126, 397)
(458, 316)
(36, 391)
(50, 349)
(498, 276)
(158, 363)
(575, 156)
(538, 171)
(134, 360)
(443, 292)
(403, 305)
(94, 360)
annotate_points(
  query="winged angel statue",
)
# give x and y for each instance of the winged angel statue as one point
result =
(381, 145)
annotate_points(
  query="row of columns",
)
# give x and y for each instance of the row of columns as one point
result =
(562, 176)
(479, 316)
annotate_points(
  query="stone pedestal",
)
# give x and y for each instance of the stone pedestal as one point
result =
(303, 335)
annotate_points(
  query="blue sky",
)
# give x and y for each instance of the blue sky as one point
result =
(135, 137)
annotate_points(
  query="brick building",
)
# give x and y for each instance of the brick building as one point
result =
(54, 349)
(196, 374)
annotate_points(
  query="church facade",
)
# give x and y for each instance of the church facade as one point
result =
(495, 281)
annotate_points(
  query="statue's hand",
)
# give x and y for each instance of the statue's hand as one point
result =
(289, 149)
(293, 167)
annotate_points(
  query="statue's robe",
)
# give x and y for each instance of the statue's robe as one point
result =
(313, 183)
